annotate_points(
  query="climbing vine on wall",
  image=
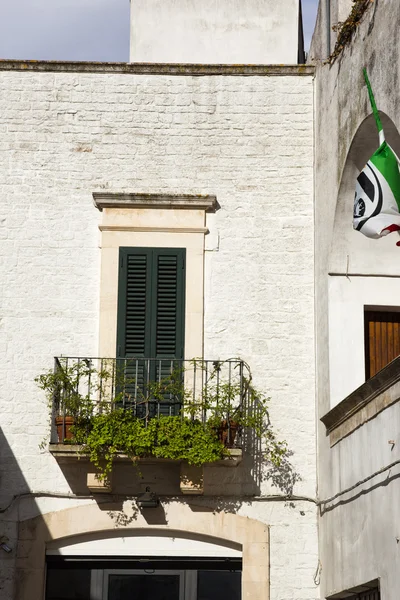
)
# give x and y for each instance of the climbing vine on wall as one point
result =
(346, 30)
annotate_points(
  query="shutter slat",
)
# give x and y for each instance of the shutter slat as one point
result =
(384, 344)
(390, 344)
(372, 351)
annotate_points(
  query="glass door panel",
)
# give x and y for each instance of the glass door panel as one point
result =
(68, 584)
(214, 585)
(138, 585)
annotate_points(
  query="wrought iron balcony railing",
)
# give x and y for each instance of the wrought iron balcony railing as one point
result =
(152, 388)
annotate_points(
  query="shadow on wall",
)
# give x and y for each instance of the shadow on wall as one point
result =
(224, 484)
(282, 477)
(13, 489)
(20, 517)
(351, 251)
(228, 486)
(226, 489)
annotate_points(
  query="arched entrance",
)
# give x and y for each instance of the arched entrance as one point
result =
(363, 271)
(194, 529)
(350, 250)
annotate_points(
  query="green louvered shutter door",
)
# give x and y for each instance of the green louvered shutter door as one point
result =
(151, 308)
(134, 304)
(168, 324)
(133, 323)
(168, 308)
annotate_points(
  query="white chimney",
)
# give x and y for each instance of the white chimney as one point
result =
(215, 31)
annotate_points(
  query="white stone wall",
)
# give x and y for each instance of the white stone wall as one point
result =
(249, 140)
(360, 531)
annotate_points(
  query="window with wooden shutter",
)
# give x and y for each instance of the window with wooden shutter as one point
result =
(372, 594)
(382, 339)
(150, 324)
(366, 591)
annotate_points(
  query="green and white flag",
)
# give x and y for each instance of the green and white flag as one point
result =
(377, 199)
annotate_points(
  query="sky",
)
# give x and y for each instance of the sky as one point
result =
(95, 30)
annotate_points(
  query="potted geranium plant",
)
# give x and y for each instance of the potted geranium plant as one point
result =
(65, 401)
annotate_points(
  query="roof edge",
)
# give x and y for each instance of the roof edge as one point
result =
(154, 68)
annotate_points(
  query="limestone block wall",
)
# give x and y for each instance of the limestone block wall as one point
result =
(249, 141)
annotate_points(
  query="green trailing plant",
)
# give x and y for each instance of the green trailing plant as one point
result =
(62, 388)
(236, 403)
(240, 406)
(171, 437)
(346, 29)
(107, 423)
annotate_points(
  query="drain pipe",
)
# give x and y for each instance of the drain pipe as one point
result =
(328, 28)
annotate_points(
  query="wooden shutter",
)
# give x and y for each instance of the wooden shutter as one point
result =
(150, 324)
(151, 303)
(382, 340)
(134, 305)
(168, 304)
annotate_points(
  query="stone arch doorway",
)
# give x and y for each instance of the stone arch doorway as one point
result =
(363, 271)
(350, 250)
(198, 523)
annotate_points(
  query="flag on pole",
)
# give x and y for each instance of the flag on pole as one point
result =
(377, 198)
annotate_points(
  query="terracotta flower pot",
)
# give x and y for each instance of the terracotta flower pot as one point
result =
(227, 432)
(64, 425)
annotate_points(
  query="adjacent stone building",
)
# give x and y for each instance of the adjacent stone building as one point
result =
(357, 331)
(210, 162)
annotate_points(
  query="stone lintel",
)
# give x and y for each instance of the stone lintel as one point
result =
(190, 69)
(183, 201)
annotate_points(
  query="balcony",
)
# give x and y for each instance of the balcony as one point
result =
(364, 404)
(109, 410)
